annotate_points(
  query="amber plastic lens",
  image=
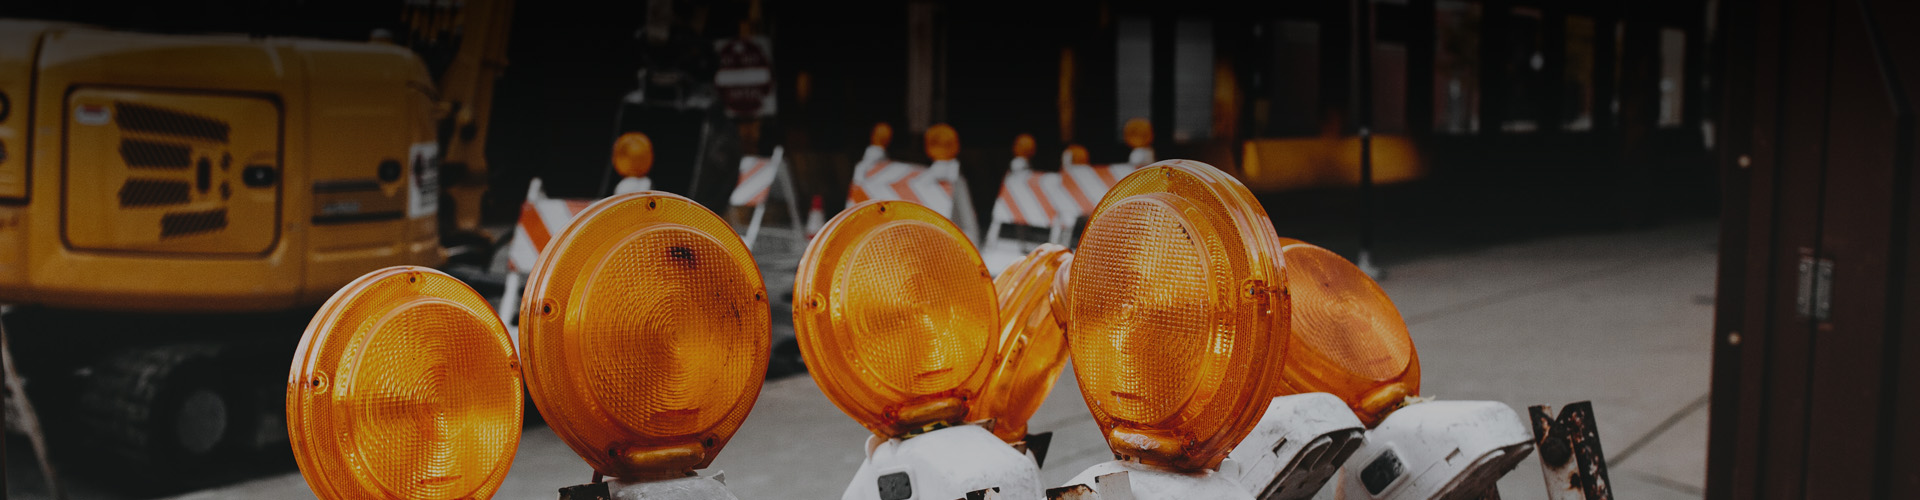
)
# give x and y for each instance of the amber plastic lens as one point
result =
(1138, 133)
(896, 318)
(1023, 146)
(943, 143)
(1349, 339)
(646, 335)
(633, 155)
(1033, 343)
(882, 135)
(1179, 314)
(1077, 154)
(405, 386)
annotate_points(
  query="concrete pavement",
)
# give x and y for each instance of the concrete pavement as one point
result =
(1620, 318)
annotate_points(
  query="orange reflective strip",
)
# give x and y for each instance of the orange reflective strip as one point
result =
(534, 227)
(1040, 195)
(904, 188)
(1006, 197)
(1079, 195)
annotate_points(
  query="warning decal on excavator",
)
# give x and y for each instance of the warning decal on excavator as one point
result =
(423, 179)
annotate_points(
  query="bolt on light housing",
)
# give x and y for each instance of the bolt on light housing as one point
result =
(896, 317)
(404, 386)
(646, 335)
(1179, 314)
(1348, 338)
(1033, 343)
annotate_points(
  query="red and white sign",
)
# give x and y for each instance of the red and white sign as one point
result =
(745, 79)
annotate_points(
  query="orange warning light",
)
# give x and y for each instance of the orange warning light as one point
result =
(1023, 146)
(895, 316)
(1349, 339)
(943, 143)
(633, 155)
(405, 386)
(646, 335)
(1033, 343)
(1138, 133)
(1077, 155)
(1179, 315)
(882, 135)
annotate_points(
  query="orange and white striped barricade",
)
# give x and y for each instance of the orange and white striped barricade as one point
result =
(938, 186)
(1086, 184)
(540, 218)
(1030, 199)
(758, 177)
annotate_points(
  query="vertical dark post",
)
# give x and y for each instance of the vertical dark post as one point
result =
(1363, 76)
(1164, 24)
(1496, 53)
(1421, 36)
(1551, 97)
(1606, 40)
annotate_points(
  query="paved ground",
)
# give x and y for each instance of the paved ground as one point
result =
(1619, 318)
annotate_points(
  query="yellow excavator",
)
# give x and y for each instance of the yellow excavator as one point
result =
(174, 205)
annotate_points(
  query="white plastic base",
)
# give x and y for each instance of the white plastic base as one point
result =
(1144, 482)
(943, 465)
(1298, 446)
(701, 487)
(1440, 449)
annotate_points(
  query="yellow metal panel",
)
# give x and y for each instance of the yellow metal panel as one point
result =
(172, 172)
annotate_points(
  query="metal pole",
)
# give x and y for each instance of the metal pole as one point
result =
(1363, 49)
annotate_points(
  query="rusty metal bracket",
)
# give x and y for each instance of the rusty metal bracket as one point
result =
(1570, 454)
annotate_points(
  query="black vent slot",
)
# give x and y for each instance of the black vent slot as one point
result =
(150, 192)
(164, 121)
(186, 223)
(144, 154)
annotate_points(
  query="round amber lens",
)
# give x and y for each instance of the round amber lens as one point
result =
(896, 317)
(1350, 340)
(882, 135)
(1033, 343)
(1077, 155)
(943, 143)
(646, 335)
(1138, 133)
(1023, 146)
(633, 155)
(1179, 314)
(405, 386)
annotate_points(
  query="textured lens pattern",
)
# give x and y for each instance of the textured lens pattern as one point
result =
(1179, 314)
(646, 329)
(422, 424)
(1350, 340)
(668, 289)
(1142, 258)
(902, 306)
(896, 317)
(1033, 343)
(405, 386)
(1343, 315)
